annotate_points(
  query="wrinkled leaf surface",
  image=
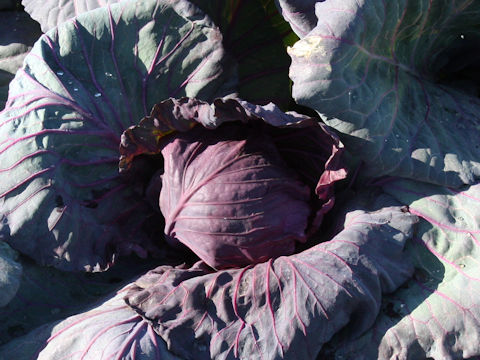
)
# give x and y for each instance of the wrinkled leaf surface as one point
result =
(110, 331)
(51, 13)
(62, 199)
(284, 308)
(244, 207)
(436, 314)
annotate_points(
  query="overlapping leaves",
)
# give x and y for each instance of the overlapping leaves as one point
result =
(111, 330)
(253, 35)
(436, 314)
(61, 196)
(283, 308)
(391, 76)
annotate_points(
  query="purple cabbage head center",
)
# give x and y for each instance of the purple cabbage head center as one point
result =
(236, 183)
(228, 195)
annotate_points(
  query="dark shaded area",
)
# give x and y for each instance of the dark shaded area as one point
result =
(255, 36)
(47, 294)
(11, 5)
(457, 65)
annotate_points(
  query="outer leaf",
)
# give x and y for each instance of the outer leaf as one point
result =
(250, 36)
(437, 313)
(284, 308)
(10, 274)
(61, 198)
(17, 34)
(378, 72)
(300, 14)
(46, 294)
(110, 331)
(51, 13)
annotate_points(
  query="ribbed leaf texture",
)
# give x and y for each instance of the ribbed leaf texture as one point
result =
(283, 308)
(394, 78)
(62, 200)
(436, 314)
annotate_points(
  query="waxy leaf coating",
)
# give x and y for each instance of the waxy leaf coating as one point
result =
(252, 35)
(62, 200)
(394, 78)
(436, 314)
(111, 330)
(283, 308)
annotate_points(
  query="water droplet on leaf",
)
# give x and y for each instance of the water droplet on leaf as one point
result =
(97, 95)
(60, 73)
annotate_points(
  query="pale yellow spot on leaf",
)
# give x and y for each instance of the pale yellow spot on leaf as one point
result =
(307, 46)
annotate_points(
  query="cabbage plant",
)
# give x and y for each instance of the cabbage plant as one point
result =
(189, 179)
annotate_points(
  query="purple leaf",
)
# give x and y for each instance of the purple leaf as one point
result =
(300, 14)
(228, 195)
(62, 200)
(437, 313)
(51, 13)
(42, 294)
(250, 36)
(110, 331)
(233, 211)
(399, 82)
(284, 308)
